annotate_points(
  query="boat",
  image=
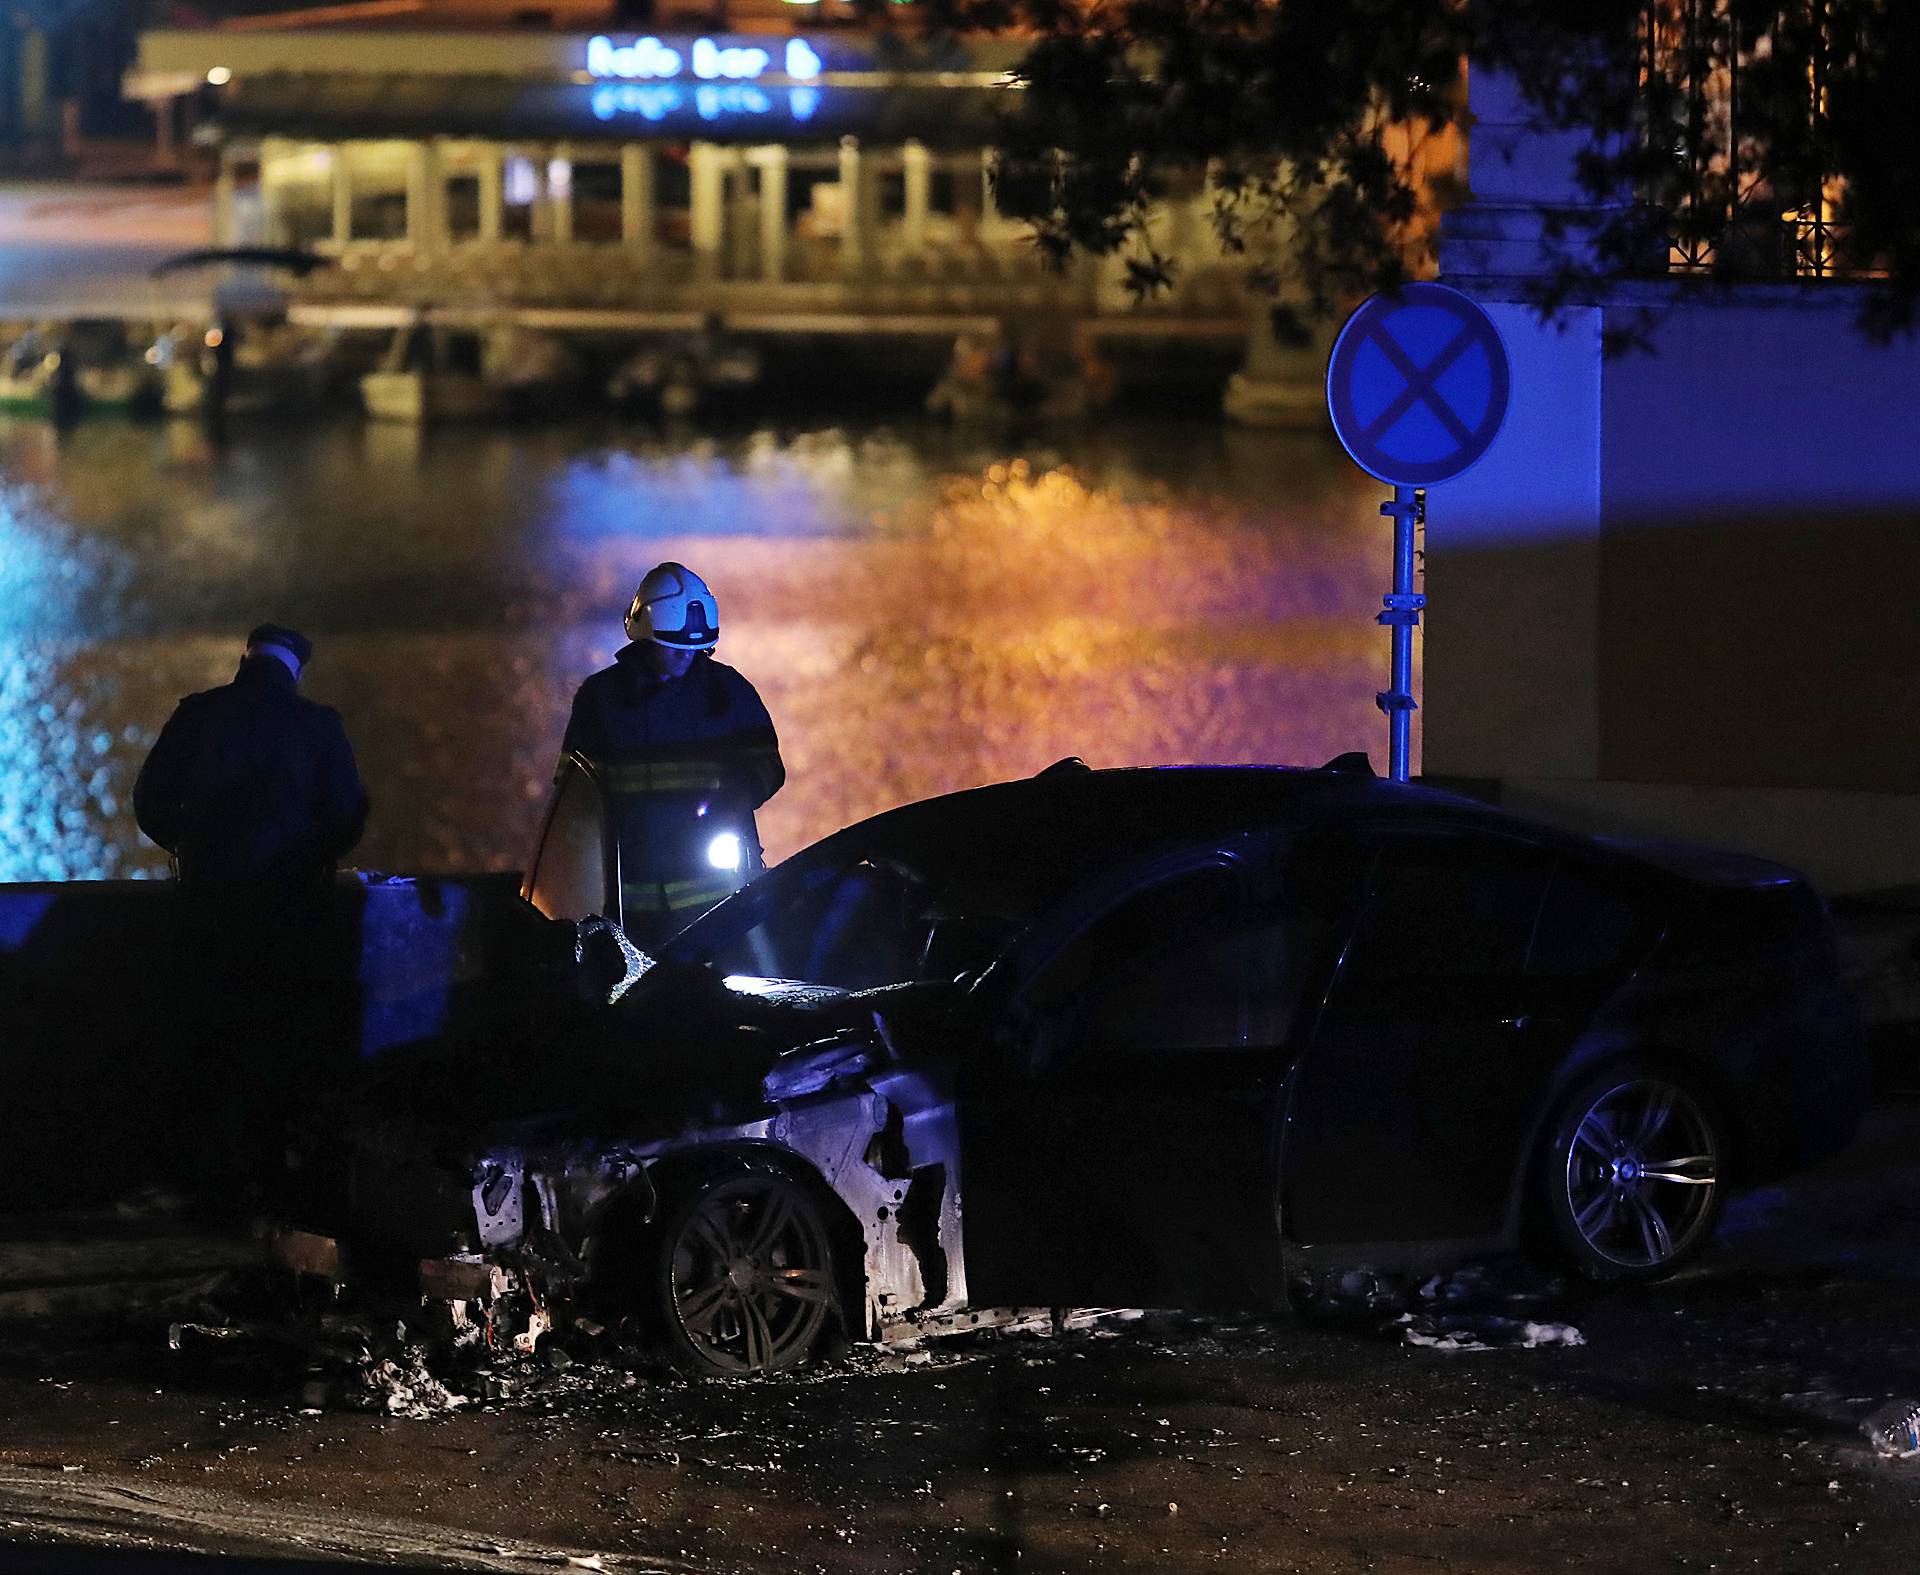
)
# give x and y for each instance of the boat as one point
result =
(269, 367)
(31, 370)
(431, 373)
(1007, 384)
(108, 374)
(685, 375)
(63, 370)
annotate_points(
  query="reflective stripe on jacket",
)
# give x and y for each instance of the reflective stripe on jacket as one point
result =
(684, 760)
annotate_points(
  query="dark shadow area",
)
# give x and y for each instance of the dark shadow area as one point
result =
(154, 1036)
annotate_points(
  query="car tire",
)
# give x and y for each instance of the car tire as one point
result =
(743, 1274)
(1633, 1173)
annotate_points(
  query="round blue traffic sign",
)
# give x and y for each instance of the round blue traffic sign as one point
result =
(1417, 386)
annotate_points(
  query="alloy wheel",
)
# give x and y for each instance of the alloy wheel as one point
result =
(1642, 1174)
(751, 1276)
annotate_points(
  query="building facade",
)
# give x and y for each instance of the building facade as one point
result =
(805, 176)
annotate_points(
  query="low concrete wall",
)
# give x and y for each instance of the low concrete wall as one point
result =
(143, 1030)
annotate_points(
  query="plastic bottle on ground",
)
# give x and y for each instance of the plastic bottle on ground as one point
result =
(1895, 1429)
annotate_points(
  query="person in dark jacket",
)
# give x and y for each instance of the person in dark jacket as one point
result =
(252, 784)
(254, 791)
(686, 750)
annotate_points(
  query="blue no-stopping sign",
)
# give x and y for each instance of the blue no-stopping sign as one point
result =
(1417, 385)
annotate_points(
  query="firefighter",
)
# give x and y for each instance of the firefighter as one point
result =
(687, 753)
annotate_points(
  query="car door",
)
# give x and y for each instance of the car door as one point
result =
(573, 870)
(1432, 1050)
(1119, 1142)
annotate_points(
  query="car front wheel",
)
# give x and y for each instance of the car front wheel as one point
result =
(743, 1275)
(1633, 1174)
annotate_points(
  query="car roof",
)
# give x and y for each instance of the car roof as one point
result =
(1072, 820)
(1196, 797)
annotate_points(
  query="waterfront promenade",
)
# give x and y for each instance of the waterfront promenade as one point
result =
(70, 250)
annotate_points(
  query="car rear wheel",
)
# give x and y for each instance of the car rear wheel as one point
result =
(1632, 1174)
(744, 1275)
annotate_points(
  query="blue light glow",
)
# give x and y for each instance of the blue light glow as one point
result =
(650, 103)
(710, 59)
(723, 103)
(646, 59)
(711, 101)
(803, 65)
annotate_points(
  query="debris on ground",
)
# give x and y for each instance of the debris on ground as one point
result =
(1495, 1305)
(1492, 1304)
(1485, 1332)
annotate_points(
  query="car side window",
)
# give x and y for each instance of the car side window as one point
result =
(1588, 928)
(1125, 933)
(1189, 965)
(1447, 907)
(1228, 984)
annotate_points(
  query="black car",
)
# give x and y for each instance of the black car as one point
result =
(1176, 1038)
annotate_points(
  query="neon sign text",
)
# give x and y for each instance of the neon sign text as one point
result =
(711, 60)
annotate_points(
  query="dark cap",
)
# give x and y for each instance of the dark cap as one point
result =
(287, 639)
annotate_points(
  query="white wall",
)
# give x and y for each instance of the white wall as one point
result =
(1512, 571)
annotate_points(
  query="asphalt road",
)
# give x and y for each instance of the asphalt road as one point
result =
(1711, 1423)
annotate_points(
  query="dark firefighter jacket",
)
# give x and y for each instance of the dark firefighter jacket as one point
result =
(252, 783)
(684, 760)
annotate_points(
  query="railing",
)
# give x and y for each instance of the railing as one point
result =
(1733, 117)
(998, 278)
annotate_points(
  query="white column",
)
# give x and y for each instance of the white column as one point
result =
(166, 147)
(636, 198)
(493, 176)
(342, 196)
(1532, 211)
(707, 225)
(772, 162)
(419, 200)
(733, 192)
(853, 209)
(919, 187)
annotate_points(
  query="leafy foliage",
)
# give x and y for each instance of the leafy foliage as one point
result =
(1729, 138)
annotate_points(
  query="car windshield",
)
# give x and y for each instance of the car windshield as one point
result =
(856, 922)
(937, 891)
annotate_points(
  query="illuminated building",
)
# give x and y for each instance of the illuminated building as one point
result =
(459, 160)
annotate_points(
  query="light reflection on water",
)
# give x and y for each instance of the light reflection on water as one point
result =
(920, 612)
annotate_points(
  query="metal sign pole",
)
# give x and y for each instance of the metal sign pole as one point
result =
(1417, 388)
(1408, 510)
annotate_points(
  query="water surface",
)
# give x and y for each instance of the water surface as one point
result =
(921, 611)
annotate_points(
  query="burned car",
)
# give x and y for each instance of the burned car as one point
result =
(1173, 1038)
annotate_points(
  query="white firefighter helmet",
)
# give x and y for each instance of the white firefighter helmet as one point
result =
(674, 607)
